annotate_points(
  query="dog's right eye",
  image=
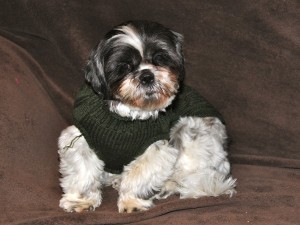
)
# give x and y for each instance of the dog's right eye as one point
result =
(124, 68)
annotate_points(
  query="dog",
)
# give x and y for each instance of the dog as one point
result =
(139, 128)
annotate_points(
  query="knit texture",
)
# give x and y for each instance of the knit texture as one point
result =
(119, 140)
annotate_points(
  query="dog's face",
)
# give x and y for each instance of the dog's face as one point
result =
(139, 64)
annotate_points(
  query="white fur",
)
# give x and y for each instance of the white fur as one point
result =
(130, 37)
(144, 175)
(146, 66)
(193, 164)
(134, 113)
(202, 168)
(81, 172)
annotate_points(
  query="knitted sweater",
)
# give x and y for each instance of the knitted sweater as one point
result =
(119, 140)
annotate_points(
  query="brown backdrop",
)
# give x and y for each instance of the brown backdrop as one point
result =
(243, 56)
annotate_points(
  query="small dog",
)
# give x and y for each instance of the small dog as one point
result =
(138, 128)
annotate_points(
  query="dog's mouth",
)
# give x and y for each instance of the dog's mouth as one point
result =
(148, 100)
(152, 91)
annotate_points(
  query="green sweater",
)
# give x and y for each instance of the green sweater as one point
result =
(119, 140)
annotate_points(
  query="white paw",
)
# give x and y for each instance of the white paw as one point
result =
(73, 203)
(130, 205)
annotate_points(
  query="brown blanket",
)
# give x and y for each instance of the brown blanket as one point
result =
(243, 56)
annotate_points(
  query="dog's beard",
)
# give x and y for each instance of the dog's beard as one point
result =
(155, 96)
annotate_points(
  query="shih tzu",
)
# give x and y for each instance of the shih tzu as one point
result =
(138, 128)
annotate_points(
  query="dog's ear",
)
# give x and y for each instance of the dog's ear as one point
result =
(179, 42)
(94, 72)
(179, 49)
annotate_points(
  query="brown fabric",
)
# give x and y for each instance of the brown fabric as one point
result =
(243, 56)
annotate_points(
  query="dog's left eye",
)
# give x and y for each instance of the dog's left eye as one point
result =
(124, 68)
(159, 59)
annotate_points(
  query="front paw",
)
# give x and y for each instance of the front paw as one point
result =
(130, 205)
(72, 203)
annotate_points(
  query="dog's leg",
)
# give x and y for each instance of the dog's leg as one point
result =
(146, 174)
(81, 172)
(202, 168)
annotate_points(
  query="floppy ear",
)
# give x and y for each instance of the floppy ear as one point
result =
(179, 42)
(179, 49)
(94, 72)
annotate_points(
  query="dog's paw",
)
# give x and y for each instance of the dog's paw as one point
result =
(130, 205)
(74, 204)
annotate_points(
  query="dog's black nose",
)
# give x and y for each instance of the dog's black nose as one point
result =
(147, 78)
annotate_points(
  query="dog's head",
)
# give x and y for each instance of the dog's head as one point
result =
(138, 64)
